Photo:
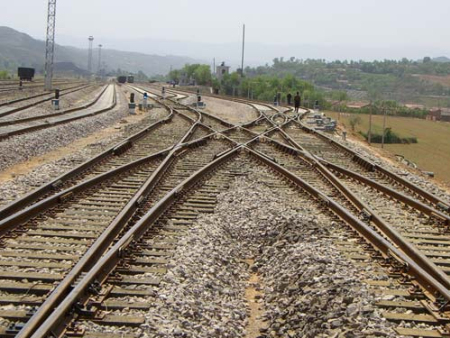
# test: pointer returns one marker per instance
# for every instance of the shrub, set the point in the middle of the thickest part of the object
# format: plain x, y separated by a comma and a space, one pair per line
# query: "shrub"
389, 138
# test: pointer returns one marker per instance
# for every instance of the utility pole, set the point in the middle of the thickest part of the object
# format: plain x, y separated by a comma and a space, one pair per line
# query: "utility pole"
91, 40
369, 136
99, 70
50, 44
384, 127
243, 50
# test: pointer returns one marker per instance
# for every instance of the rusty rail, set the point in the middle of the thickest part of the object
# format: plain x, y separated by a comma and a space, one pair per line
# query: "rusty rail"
54, 184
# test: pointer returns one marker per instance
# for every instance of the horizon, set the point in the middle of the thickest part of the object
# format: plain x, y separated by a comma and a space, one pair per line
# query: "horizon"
373, 30
69, 41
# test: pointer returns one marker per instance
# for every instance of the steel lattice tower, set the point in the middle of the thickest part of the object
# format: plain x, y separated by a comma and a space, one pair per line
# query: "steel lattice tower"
91, 39
50, 44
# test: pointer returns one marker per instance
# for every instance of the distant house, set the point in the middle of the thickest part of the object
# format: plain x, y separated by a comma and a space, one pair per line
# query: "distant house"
222, 70
445, 114
434, 115
414, 106
185, 80
439, 114
357, 104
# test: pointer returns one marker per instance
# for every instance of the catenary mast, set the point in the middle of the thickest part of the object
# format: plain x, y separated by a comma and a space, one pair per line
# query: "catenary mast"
50, 44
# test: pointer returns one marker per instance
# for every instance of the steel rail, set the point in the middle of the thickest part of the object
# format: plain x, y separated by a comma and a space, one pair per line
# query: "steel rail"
383, 227
374, 167
26, 214
37, 95
29, 105
108, 236
109, 260
65, 111
379, 243
53, 185
422, 207
107, 263
62, 120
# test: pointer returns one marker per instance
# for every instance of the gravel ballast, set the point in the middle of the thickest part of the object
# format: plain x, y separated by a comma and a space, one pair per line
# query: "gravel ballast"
308, 289
59, 137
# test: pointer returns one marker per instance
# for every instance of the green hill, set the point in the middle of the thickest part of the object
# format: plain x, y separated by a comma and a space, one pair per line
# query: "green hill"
19, 49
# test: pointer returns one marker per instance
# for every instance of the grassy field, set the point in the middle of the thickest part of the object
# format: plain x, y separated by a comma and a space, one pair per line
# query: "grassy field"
431, 153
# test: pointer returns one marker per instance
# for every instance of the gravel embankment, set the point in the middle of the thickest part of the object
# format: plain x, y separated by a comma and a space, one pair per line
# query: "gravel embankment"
24, 147
308, 288
20, 148
71, 100
398, 168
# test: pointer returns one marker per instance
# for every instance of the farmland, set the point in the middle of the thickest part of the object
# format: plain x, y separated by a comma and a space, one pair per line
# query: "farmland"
431, 153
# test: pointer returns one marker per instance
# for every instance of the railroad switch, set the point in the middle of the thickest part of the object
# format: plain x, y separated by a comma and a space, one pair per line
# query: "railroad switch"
376, 255
416, 291
406, 279
75, 331
365, 216
88, 311
14, 328
79, 278
101, 296
95, 288
440, 312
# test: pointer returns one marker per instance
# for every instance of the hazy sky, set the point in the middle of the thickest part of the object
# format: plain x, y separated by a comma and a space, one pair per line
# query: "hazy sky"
387, 24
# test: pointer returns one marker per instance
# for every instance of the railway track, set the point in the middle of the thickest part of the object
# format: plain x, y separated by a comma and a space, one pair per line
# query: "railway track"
104, 102
6, 87
10, 107
181, 170
157, 137
150, 200
422, 231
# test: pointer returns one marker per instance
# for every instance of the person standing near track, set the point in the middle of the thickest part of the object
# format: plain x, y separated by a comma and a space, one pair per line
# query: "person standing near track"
289, 99
297, 102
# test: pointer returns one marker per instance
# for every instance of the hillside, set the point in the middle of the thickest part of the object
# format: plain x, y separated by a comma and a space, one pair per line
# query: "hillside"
20, 49
441, 59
